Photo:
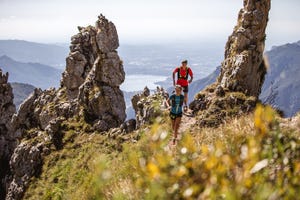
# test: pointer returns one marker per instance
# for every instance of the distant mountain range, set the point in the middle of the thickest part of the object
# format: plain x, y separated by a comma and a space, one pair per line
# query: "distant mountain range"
281, 88
24, 51
36, 74
21, 92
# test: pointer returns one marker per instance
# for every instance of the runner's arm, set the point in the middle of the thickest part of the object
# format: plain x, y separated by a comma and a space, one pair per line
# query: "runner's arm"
191, 75
174, 72
168, 103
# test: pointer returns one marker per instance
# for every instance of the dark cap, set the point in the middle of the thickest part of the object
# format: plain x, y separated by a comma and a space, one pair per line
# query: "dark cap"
184, 61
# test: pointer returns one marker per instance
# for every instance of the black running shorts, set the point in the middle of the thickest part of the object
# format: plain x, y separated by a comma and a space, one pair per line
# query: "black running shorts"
185, 89
174, 116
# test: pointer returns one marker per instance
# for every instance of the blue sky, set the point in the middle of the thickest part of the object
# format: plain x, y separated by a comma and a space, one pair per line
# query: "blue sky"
137, 21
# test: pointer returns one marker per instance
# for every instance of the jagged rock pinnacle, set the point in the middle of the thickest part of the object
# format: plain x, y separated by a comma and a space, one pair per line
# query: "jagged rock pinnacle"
89, 92
243, 68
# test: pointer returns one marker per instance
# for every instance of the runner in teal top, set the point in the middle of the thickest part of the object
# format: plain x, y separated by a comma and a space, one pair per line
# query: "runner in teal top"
175, 103
176, 109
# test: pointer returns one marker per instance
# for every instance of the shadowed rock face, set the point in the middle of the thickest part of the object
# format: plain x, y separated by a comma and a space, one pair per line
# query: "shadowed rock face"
89, 92
7, 142
243, 70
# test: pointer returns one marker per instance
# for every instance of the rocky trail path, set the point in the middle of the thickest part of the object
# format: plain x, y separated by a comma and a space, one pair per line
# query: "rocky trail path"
187, 121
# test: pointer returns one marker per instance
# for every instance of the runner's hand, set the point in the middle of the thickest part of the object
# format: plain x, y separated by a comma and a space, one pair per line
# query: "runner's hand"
185, 108
190, 81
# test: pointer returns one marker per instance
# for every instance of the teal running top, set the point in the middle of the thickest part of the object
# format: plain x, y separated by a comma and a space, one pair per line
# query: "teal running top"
176, 103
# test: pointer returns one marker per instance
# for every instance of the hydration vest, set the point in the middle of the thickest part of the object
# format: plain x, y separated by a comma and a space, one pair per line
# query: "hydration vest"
183, 77
173, 100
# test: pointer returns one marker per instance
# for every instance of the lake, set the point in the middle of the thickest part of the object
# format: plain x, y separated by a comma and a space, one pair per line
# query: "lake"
138, 82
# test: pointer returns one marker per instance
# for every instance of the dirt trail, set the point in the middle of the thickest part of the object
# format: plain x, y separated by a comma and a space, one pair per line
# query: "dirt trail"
186, 122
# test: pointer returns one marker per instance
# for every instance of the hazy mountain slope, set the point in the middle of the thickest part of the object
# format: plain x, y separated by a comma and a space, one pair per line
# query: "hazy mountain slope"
21, 92
24, 51
282, 84
31, 73
200, 84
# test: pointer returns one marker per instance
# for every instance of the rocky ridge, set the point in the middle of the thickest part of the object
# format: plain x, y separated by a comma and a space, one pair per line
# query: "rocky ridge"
243, 70
89, 91
147, 107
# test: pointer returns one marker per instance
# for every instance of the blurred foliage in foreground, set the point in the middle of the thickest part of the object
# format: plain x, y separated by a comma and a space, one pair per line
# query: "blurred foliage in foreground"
253, 157
262, 165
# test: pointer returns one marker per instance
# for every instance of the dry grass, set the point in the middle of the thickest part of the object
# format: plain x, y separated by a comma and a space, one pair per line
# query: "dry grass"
227, 132
207, 163
291, 124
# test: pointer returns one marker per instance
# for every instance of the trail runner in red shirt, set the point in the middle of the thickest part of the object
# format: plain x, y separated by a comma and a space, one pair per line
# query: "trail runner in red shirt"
183, 73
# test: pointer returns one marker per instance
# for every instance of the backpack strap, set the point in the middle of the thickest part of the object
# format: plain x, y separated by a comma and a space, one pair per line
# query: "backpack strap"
172, 98
181, 100
187, 73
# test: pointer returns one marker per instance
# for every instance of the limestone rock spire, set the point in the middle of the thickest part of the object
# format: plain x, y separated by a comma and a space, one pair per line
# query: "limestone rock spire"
243, 68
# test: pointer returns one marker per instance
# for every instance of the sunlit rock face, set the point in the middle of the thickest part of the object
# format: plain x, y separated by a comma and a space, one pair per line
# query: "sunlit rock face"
243, 68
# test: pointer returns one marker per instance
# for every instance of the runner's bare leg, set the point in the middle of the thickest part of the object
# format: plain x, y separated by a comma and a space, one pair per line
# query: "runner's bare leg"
177, 124
185, 98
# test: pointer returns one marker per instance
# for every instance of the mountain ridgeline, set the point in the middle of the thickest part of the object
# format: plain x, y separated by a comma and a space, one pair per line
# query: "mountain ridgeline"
39, 75
32, 52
